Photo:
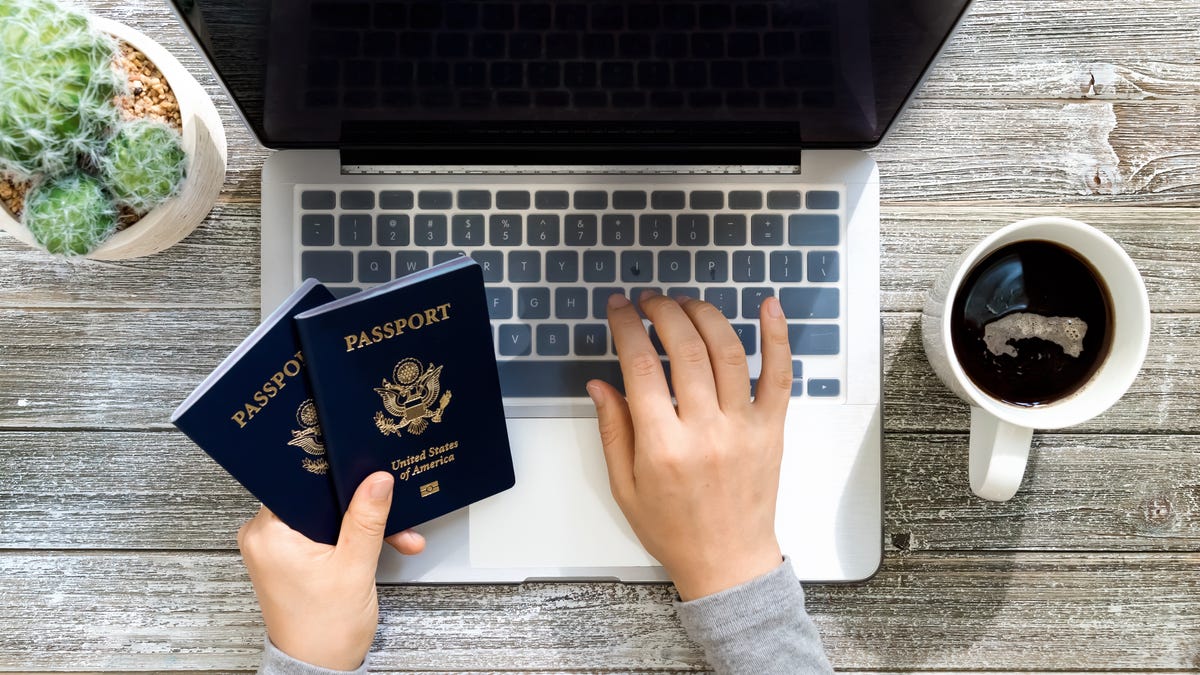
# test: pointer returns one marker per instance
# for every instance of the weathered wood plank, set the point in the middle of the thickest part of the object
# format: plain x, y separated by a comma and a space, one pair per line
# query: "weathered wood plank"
925, 612
919, 242
1082, 492
129, 369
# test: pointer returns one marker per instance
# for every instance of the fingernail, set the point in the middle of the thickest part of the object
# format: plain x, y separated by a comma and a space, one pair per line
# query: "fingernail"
617, 300
682, 299
773, 309
648, 293
380, 488
593, 391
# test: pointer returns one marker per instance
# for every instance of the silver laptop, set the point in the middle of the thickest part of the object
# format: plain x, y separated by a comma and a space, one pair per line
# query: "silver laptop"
576, 149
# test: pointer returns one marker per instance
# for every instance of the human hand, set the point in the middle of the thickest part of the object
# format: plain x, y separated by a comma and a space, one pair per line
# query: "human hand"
697, 481
319, 601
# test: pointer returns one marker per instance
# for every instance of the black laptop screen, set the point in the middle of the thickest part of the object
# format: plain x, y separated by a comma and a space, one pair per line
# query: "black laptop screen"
551, 73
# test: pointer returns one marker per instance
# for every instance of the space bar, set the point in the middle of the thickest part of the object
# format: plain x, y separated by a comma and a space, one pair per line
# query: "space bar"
523, 379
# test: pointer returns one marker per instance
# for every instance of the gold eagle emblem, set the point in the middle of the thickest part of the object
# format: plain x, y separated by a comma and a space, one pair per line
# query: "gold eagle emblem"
308, 438
410, 397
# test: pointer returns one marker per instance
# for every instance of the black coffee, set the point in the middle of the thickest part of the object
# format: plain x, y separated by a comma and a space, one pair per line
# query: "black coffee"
1031, 323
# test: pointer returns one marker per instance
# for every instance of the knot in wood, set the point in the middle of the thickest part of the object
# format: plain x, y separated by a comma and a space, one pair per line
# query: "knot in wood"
1157, 511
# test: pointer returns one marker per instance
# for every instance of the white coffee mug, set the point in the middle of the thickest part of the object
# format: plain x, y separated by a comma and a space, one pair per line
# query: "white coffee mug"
1001, 432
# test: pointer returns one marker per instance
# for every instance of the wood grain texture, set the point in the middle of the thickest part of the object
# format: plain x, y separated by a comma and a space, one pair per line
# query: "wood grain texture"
195, 611
133, 367
128, 490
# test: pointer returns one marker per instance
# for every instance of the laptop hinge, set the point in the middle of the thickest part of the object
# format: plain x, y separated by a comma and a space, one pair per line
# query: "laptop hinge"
523, 161
467, 169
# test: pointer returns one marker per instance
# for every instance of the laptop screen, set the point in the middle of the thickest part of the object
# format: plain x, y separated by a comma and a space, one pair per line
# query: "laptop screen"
569, 74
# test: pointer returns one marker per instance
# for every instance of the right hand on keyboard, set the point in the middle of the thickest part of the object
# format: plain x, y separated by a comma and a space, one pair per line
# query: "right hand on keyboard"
697, 481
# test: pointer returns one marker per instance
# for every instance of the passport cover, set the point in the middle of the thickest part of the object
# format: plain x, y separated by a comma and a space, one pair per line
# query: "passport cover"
255, 416
405, 381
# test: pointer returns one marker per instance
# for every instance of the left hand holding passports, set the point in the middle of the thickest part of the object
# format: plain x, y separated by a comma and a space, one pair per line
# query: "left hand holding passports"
400, 378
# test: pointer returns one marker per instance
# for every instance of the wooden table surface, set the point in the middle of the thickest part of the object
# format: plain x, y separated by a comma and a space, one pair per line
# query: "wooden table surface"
117, 547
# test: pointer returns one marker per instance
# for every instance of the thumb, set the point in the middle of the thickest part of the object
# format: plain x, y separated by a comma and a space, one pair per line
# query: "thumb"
616, 434
363, 525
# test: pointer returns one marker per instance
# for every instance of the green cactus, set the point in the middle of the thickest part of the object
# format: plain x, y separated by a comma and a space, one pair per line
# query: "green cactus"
57, 86
143, 164
70, 214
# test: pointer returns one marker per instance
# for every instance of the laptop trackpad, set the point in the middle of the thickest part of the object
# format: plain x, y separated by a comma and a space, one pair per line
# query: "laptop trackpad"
560, 513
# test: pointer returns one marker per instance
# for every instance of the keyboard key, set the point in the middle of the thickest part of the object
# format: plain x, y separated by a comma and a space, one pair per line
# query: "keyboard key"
391, 229
600, 301
316, 199
745, 200
546, 377
667, 199
358, 200
824, 387
814, 338
812, 230
354, 229
395, 199
562, 266
616, 229
797, 369
374, 267
408, 262
570, 303
492, 264
505, 229
474, 199
712, 267
512, 199
515, 340
729, 229
524, 266
543, 229
822, 199
551, 199
783, 199
591, 339
466, 229
629, 199
691, 229
327, 266
748, 334
593, 200
786, 266
752, 298
810, 303
553, 339
724, 299
442, 256
706, 200
429, 229
599, 266
533, 303
749, 266
316, 230
342, 291
500, 303
766, 229
676, 292
674, 266
656, 342
823, 266
435, 199
654, 229
580, 230
637, 267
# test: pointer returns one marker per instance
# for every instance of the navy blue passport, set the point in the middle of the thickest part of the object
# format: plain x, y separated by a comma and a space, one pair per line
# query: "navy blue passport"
405, 381
256, 417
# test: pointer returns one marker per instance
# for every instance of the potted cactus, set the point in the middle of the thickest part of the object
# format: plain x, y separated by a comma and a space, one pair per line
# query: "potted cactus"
108, 147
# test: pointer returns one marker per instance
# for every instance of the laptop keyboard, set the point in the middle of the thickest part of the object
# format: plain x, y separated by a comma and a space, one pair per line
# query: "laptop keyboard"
552, 257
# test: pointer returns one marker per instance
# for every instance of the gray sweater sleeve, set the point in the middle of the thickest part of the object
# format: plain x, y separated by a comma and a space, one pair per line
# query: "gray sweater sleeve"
276, 662
759, 627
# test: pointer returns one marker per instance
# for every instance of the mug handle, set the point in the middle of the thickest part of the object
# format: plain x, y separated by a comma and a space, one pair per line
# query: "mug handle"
999, 451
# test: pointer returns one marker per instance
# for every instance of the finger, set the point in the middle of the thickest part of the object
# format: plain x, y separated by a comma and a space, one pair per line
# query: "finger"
691, 372
361, 537
645, 384
616, 435
725, 352
775, 379
408, 542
